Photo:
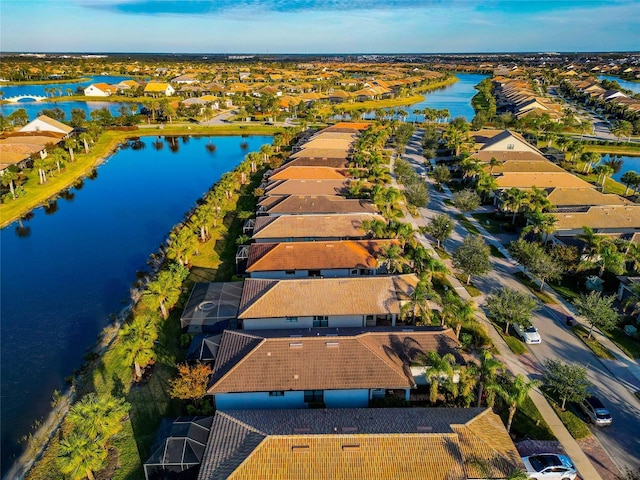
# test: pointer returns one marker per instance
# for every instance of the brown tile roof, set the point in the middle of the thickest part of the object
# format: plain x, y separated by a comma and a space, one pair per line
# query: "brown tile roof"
312, 226
263, 298
600, 217
320, 204
321, 153
306, 173
398, 443
339, 162
354, 125
321, 142
540, 180
504, 155
315, 255
518, 166
584, 196
307, 187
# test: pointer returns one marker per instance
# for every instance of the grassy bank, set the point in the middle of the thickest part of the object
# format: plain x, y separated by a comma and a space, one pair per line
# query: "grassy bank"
46, 82
614, 149
37, 195
377, 104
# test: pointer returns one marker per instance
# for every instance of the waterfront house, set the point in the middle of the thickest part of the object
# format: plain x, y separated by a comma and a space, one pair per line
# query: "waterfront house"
385, 443
299, 228
317, 204
100, 90
211, 307
325, 259
44, 123
306, 187
337, 368
324, 302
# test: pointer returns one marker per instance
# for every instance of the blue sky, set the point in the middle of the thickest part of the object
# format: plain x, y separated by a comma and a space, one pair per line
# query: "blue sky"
319, 26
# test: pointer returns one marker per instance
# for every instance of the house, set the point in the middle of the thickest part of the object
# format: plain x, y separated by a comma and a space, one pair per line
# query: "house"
299, 228
155, 89
127, 85
504, 146
307, 187
317, 204
211, 307
100, 90
19, 148
47, 124
385, 443
185, 79
338, 368
326, 259
610, 219
307, 173
179, 449
324, 302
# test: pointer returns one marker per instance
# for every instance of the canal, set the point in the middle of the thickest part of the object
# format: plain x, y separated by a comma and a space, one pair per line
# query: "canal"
65, 271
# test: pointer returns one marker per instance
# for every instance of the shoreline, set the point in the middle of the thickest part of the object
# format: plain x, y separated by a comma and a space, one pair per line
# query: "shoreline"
109, 148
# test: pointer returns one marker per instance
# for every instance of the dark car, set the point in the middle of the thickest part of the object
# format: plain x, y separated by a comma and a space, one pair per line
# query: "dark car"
595, 410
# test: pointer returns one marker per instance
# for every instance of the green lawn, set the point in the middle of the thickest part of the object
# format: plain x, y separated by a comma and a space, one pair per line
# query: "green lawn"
595, 346
471, 288
528, 422
489, 223
542, 296
577, 428
467, 224
627, 344
495, 251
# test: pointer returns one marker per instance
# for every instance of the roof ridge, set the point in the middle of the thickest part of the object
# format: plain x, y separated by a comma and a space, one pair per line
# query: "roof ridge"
398, 370
237, 364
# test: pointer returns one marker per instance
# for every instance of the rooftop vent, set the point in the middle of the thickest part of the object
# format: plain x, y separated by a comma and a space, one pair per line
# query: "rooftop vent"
332, 344
302, 430
425, 428
351, 448
349, 429
295, 345
300, 448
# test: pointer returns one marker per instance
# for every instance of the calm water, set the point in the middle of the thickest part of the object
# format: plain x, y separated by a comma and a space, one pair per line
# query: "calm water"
628, 164
633, 86
456, 98
69, 270
33, 108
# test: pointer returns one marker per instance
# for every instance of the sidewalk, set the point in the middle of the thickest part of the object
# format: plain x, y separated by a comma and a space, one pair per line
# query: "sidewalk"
510, 360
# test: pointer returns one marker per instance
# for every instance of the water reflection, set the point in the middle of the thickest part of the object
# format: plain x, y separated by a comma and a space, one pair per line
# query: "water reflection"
174, 145
51, 207
67, 195
93, 175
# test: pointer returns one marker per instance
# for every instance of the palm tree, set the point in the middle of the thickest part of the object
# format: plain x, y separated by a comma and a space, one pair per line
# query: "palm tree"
201, 219
455, 311
590, 159
468, 379
181, 243
80, 456
40, 164
138, 339
487, 373
633, 301
486, 185
629, 178
8, 180
70, 144
494, 162
100, 418
393, 256
419, 300
163, 290
614, 162
513, 200
514, 392
540, 224
438, 368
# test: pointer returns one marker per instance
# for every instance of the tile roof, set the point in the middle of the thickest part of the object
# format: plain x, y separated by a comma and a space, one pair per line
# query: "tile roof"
519, 166
263, 298
398, 443
584, 196
320, 204
321, 153
540, 180
306, 173
600, 217
315, 255
312, 226
504, 155
320, 362
307, 187
321, 142
338, 162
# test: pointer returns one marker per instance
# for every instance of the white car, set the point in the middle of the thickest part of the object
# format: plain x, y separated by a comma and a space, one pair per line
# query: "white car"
549, 466
528, 335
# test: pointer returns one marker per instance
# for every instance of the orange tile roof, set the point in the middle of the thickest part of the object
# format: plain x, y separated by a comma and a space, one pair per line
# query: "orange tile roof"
307, 187
315, 255
540, 180
263, 298
398, 443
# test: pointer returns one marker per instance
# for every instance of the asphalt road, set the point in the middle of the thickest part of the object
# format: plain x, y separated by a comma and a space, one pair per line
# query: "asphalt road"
621, 440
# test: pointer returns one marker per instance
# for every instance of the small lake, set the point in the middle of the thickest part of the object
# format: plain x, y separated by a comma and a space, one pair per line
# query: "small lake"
33, 107
633, 86
70, 267
628, 164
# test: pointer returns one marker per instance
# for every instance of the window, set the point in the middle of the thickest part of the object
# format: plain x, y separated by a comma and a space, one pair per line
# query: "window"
510, 146
314, 273
289, 272
313, 396
320, 321
291, 319
276, 393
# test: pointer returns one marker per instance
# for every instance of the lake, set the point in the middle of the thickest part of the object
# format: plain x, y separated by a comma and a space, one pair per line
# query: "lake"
69, 268
33, 107
628, 164
633, 86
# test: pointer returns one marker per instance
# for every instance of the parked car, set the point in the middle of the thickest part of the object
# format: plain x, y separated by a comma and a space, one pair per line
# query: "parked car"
528, 335
549, 466
595, 411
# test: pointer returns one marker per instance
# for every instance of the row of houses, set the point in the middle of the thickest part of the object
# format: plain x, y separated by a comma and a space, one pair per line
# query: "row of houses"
310, 339
150, 88
19, 148
576, 203
600, 97
516, 95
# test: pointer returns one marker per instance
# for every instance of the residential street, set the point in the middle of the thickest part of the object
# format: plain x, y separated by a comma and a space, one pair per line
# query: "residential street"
613, 380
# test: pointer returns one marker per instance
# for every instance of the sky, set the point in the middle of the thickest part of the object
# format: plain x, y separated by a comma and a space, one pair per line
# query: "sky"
319, 26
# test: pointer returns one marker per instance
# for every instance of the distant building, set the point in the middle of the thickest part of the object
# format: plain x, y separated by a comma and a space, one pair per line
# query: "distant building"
100, 90
155, 89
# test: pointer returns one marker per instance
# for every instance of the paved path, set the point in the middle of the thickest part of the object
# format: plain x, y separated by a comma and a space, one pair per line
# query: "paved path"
559, 341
